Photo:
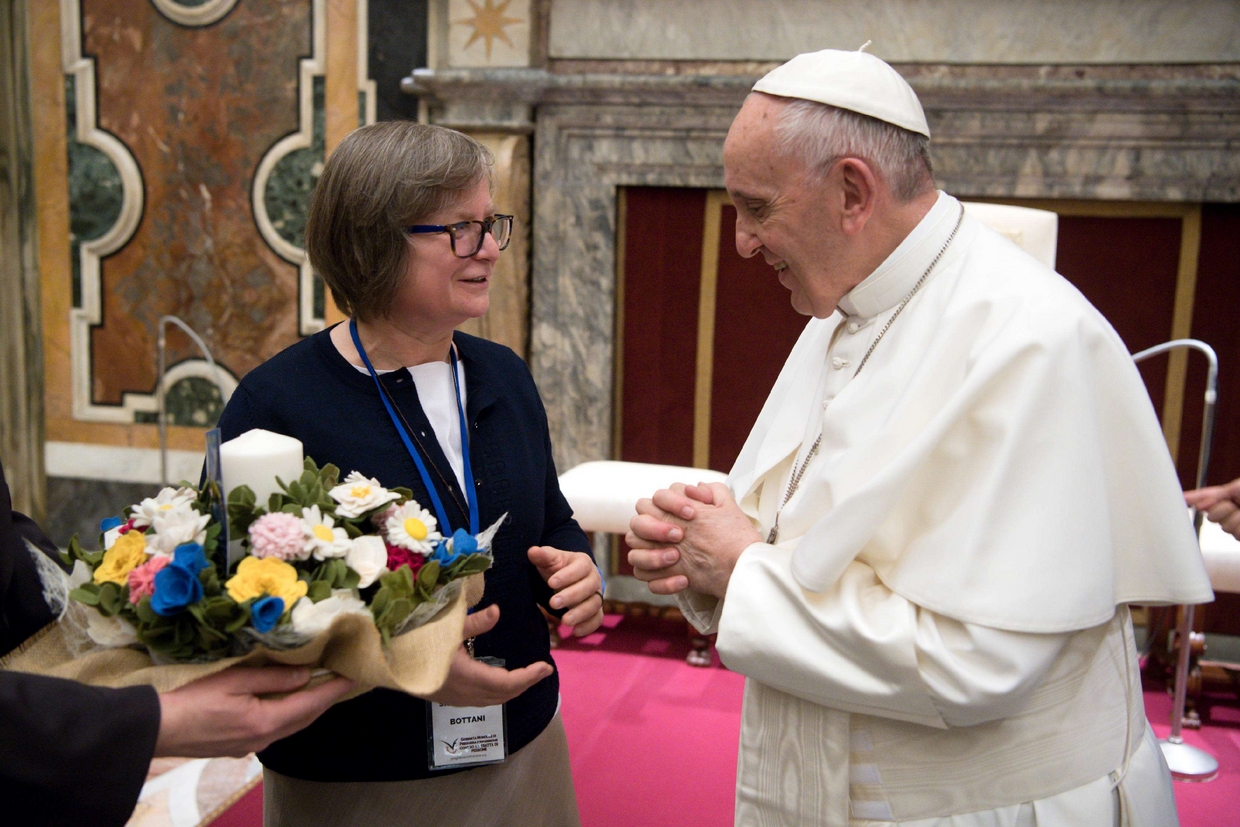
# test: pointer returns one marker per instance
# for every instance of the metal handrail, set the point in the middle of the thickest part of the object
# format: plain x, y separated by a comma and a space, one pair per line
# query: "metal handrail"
1188, 762
161, 391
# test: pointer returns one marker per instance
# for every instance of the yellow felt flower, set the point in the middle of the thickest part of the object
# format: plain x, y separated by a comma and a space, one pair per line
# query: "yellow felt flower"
126, 554
271, 576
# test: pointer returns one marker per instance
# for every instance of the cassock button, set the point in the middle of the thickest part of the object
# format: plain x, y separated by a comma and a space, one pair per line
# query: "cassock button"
839, 363
853, 327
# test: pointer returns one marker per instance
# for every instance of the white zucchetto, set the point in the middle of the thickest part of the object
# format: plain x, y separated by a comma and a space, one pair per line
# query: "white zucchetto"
856, 81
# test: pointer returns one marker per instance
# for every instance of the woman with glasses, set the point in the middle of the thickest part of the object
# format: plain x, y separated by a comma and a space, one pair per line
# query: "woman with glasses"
404, 233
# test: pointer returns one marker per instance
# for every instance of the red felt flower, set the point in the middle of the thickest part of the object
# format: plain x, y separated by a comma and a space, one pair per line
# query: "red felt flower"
398, 557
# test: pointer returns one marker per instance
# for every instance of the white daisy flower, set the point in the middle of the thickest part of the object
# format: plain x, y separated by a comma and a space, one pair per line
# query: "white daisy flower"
359, 494
411, 526
169, 499
323, 539
176, 526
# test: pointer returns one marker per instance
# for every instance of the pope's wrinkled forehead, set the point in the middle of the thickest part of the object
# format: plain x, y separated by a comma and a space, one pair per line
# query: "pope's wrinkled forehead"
751, 147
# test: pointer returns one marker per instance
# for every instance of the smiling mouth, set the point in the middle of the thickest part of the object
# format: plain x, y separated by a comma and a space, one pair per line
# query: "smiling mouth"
478, 280
780, 267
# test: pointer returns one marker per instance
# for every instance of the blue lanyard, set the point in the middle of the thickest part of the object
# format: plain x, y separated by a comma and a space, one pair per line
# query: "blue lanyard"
470, 495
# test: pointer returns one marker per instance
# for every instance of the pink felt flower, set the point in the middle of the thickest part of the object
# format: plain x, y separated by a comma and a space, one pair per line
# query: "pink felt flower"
398, 557
278, 535
142, 578
379, 518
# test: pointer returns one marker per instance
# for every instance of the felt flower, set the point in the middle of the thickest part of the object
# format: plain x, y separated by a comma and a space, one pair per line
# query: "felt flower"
111, 528
142, 579
112, 631
320, 535
310, 618
278, 535
359, 494
125, 555
175, 527
169, 499
266, 612
368, 557
397, 557
411, 526
379, 518
175, 588
459, 545
259, 576
190, 555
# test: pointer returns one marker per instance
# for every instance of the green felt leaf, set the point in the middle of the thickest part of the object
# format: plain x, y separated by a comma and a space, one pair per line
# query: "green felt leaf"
111, 597
474, 564
146, 615
319, 590
242, 495
88, 594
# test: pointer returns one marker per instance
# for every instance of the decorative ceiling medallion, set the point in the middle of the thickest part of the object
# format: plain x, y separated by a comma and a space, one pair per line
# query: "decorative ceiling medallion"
202, 13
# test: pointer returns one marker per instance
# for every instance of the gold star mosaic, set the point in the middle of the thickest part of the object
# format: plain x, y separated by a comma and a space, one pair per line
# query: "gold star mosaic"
489, 32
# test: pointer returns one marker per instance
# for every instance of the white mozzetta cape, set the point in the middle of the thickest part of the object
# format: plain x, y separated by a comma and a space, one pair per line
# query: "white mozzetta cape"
997, 461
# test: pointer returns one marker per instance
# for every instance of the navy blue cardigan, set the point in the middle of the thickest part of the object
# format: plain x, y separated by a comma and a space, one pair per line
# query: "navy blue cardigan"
311, 392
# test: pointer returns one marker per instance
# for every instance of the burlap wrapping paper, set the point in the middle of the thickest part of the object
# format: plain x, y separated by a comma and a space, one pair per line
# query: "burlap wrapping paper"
415, 662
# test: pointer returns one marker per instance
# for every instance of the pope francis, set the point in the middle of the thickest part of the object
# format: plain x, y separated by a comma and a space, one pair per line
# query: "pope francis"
923, 557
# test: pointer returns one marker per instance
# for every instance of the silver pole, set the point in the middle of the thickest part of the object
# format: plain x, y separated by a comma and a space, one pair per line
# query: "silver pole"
161, 391
1186, 762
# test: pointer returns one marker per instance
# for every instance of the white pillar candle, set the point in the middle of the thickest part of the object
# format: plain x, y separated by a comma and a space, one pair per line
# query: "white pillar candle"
256, 458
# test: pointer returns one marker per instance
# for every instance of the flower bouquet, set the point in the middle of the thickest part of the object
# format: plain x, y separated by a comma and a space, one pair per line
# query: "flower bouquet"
344, 575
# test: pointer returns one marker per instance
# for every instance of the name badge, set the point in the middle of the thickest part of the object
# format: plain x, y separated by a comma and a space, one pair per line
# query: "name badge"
467, 736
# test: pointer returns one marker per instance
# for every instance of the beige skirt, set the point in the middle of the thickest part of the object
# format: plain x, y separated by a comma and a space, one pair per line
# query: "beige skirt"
533, 788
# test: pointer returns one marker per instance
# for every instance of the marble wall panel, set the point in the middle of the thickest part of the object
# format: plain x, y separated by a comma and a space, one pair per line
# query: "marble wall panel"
197, 108
1109, 133
582, 155
934, 31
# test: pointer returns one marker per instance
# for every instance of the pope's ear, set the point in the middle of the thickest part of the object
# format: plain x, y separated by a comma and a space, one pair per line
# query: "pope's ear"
859, 189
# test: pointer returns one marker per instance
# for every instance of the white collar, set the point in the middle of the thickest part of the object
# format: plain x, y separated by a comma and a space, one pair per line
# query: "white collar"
894, 279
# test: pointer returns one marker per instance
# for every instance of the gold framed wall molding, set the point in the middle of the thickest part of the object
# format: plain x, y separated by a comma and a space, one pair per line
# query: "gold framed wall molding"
110, 441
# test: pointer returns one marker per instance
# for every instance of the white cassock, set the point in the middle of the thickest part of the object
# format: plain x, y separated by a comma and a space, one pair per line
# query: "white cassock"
940, 635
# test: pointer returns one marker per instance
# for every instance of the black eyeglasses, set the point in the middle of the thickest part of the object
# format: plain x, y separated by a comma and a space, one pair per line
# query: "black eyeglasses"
470, 234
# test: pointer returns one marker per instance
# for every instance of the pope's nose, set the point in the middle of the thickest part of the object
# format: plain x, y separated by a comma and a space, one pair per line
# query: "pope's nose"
747, 243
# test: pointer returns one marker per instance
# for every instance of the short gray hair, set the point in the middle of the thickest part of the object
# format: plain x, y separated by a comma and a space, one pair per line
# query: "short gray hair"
821, 134
380, 179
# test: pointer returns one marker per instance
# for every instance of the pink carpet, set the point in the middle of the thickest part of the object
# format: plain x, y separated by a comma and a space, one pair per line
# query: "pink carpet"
653, 740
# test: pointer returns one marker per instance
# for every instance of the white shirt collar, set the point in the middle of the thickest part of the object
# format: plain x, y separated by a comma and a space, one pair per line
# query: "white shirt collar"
894, 279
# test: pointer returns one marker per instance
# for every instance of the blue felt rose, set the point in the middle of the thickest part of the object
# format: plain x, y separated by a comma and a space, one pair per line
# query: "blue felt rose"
190, 556
110, 523
175, 588
265, 613
460, 544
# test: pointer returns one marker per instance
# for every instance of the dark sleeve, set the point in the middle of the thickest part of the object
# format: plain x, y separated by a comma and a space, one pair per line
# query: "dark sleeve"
560, 530
69, 754
236, 418
238, 415
72, 754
